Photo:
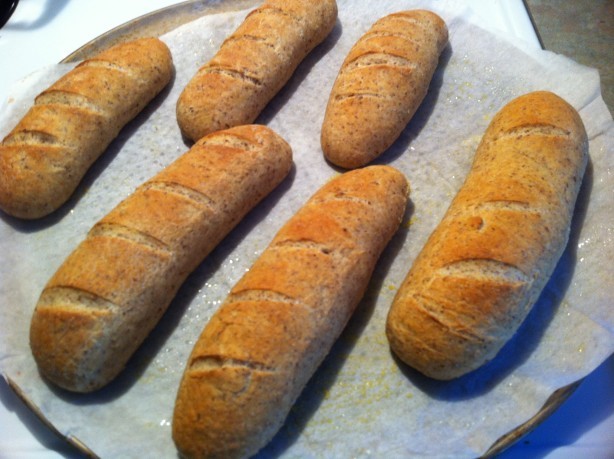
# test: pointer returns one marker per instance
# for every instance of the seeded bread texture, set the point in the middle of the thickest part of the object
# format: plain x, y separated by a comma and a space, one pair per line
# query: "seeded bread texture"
381, 83
280, 320
111, 291
487, 262
43, 159
253, 64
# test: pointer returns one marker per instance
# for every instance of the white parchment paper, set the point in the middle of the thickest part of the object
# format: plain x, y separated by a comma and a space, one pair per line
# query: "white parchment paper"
361, 402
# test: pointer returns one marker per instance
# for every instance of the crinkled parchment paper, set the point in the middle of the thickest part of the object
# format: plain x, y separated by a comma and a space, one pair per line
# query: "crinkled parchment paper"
360, 402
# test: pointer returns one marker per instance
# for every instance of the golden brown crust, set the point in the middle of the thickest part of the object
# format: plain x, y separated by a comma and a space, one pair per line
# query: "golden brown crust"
380, 85
486, 263
111, 291
280, 320
43, 159
253, 64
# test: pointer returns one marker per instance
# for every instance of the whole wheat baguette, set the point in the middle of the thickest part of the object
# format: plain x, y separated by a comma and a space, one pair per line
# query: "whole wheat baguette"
253, 64
380, 85
112, 290
280, 320
43, 159
487, 262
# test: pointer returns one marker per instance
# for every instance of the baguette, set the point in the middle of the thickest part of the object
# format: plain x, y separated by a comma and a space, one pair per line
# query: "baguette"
280, 320
253, 64
112, 290
380, 85
43, 159
487, 262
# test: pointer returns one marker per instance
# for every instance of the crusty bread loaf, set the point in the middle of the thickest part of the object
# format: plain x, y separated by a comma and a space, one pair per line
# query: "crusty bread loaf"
380, 85
253, 64
487, 262
112, 290
278, 323
43, 159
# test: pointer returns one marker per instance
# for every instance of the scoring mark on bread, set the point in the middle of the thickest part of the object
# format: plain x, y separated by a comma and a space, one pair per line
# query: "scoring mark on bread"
478, 215
113, 66
207, 363
71, 99
360, 95
541, 129
340, 196
424, 343
409, 19
498, 204
197, 197
265, 41
115, 230
270, 9
484, 268
228, 140
374, 34
214, 362
258, 295
231, 73
450, 320
74, 298
506, 205
31, 137
379, 59
304, 244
